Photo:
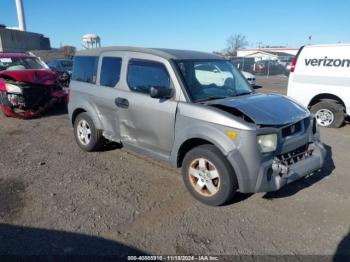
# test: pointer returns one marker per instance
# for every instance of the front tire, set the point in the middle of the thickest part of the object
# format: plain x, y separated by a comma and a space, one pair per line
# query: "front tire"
328, 114
86, 135
209, 176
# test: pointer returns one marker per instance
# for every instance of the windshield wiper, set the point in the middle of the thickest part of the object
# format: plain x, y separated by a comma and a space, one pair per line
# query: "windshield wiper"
210, 98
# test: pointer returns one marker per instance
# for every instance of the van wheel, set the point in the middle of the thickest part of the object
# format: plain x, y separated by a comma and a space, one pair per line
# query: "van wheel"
209, 176
87, 136
328, 114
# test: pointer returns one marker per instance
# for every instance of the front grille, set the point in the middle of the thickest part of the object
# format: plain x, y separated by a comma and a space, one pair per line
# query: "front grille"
291, 129
36, 96
295, 155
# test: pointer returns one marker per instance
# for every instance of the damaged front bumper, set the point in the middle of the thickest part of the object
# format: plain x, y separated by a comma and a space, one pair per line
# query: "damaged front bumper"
298, 154
274, 173
32, 101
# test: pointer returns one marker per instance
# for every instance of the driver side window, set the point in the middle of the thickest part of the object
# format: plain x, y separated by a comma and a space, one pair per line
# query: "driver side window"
143, 74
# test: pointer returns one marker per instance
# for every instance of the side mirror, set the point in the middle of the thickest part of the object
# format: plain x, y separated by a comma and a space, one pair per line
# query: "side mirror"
160, 92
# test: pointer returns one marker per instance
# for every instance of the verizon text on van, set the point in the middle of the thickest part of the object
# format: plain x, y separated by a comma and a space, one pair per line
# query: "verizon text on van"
328, 62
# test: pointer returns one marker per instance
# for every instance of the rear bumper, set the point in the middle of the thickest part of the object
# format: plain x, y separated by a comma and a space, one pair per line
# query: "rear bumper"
268, 179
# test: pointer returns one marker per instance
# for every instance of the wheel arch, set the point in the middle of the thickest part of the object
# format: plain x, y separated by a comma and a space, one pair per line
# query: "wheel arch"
325, 97
187, 146
93, 115
77, 112
221, 143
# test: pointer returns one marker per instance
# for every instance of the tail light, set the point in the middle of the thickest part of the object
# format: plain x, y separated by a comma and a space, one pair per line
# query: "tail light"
294, 63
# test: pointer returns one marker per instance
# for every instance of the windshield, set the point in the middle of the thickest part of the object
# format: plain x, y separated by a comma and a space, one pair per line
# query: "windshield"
207, 80
21, 63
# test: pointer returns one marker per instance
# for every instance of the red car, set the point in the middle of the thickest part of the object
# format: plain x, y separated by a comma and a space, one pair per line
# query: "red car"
27, 86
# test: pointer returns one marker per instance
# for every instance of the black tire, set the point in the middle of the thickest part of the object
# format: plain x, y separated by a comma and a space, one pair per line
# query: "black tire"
96, 140
332, 106
228, 184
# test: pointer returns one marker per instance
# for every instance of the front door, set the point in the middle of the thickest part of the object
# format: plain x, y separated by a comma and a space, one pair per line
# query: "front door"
145, 122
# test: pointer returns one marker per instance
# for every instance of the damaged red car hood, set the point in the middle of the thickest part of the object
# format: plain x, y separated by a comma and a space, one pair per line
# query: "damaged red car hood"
39, 76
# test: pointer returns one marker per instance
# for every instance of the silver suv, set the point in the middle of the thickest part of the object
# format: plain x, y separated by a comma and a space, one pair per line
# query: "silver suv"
193, 110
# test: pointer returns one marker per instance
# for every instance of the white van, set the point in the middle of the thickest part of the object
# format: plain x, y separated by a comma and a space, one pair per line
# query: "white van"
320, 80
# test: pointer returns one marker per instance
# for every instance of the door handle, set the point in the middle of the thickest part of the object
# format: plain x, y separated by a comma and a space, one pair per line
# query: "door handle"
122, 102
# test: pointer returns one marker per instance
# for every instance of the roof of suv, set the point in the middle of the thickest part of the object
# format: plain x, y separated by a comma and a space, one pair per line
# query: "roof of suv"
162, 52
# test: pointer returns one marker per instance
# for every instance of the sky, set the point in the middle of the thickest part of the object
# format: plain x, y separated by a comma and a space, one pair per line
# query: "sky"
184, 24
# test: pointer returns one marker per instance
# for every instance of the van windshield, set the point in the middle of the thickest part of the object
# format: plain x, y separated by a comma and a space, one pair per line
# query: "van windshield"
206, 80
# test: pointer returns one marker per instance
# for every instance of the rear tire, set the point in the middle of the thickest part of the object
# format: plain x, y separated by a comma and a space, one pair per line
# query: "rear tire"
209, 176
328, 114
86, 135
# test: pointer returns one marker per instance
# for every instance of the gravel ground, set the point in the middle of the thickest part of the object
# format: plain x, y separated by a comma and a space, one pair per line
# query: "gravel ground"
57, 199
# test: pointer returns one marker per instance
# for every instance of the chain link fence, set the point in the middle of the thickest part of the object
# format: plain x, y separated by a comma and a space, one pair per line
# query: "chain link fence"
263, 66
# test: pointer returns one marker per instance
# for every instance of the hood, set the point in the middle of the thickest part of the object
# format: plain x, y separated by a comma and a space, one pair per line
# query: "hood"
264, 109
40, 76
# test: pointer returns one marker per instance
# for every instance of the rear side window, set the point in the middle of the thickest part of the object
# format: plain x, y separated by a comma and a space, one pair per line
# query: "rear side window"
84, 69
142, 75
110, 71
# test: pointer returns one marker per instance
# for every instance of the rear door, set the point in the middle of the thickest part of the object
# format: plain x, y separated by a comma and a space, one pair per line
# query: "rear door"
107, 91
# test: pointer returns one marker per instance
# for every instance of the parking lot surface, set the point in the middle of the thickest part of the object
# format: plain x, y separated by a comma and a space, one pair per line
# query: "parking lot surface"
57, 199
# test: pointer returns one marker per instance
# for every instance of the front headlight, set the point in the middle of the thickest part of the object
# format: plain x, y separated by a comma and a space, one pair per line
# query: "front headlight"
267, 143
11, 88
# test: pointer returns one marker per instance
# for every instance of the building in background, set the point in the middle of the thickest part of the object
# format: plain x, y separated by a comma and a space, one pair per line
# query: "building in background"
65, 52
13, 40
18, 39
267, 53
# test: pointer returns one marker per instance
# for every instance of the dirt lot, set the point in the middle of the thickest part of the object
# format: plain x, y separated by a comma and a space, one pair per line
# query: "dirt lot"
57, 199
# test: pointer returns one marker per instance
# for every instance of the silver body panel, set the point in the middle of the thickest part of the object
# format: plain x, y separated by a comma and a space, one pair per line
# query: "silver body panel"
159, 127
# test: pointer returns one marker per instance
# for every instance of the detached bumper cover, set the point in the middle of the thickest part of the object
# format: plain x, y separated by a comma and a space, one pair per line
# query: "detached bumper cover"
268, 178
